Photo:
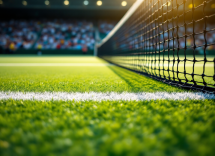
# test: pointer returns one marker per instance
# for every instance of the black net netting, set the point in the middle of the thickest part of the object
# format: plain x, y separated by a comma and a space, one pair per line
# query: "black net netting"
172, 41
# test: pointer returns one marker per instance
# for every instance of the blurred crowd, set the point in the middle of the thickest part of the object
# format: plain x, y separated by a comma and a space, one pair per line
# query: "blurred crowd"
66, 34
47, 34
165, 40
105, 27
80, 35
17, 34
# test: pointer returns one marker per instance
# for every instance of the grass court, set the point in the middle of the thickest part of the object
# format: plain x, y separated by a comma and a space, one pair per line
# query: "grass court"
104, 128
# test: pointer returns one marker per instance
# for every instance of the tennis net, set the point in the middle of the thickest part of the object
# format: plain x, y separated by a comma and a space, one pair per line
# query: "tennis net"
172, 41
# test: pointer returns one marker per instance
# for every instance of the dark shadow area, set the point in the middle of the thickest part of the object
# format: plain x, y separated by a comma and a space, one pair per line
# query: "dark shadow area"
140, 83
126, 76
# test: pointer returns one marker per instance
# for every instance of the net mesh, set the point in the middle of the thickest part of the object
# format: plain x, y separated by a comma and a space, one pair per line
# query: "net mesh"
170, 40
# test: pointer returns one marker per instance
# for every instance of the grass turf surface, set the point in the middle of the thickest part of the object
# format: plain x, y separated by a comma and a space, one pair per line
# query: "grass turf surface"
149, 128
74, 79
176, 128
50, 59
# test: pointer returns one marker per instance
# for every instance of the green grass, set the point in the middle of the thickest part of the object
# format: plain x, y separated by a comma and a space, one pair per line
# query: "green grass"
149, 128
74, 79
111, 128
50, 59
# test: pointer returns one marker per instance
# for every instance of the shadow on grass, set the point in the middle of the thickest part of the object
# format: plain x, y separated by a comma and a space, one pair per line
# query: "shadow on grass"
140, 83
126, 76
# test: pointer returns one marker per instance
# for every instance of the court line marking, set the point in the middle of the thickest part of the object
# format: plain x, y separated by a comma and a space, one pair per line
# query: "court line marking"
55, 64
112, 96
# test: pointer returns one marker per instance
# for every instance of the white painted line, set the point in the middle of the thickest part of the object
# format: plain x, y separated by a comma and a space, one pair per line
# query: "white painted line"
47, 96
55, 64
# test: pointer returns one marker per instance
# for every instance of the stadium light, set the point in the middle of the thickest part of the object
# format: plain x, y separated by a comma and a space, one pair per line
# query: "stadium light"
191, 6
66, 2
124, 3
168, 4
99, 3
86, 2
1, 2
24, 3
47, 2
213, 6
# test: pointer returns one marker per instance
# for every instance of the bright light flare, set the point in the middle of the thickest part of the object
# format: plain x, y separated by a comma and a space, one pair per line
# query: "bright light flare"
168, 4
24, 3
66, 2
99, 3
47, 2
86, 2
124, 3
191, 6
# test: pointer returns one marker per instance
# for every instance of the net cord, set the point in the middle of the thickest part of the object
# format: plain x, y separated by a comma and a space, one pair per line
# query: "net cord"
128, 14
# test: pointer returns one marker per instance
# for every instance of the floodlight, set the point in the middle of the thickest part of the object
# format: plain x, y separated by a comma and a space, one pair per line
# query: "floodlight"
66, 2
124, 3
86, 2
25, 3
1, 2
99, 3
191, 6
47, 2
168, 4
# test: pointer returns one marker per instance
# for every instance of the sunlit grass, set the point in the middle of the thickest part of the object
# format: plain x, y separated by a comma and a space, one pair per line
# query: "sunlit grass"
75, 79
148, 128
50, 59
107, 128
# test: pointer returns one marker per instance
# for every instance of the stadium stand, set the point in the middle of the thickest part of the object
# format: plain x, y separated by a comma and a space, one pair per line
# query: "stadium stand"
46, 34
66, 34
16, 34
105, 27
62, 10
79, 35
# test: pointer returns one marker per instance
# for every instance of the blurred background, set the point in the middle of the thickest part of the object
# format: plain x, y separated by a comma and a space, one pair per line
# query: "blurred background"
70, 26
57, 26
